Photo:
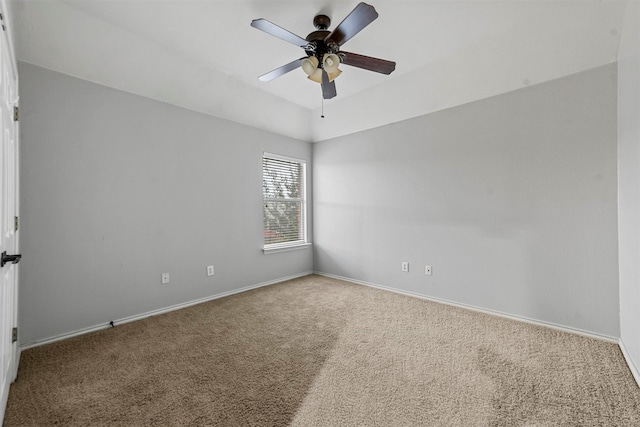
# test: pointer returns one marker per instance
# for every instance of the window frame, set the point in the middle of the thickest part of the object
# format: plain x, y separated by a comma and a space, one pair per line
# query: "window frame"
300, 243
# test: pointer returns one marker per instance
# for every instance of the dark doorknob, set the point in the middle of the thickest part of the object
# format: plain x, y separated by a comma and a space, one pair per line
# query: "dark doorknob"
13, 259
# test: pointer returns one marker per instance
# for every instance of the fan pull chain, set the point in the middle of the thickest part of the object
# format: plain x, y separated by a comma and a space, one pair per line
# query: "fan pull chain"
322, 114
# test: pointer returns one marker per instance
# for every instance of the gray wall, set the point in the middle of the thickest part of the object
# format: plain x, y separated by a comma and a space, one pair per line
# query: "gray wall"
511, 199
117, 189
629, 183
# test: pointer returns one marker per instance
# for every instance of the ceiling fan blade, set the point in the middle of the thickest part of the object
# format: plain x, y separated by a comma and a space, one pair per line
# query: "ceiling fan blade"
279, 32
328, 87
281, 70
360, 17
368, 63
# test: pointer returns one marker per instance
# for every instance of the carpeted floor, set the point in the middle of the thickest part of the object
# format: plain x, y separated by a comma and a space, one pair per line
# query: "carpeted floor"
320, 352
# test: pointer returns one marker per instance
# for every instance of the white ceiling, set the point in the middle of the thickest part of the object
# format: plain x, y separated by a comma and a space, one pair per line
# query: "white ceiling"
204, 55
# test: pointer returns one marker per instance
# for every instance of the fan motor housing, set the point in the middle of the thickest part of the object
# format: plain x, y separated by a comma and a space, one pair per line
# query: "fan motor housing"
319, 35
316, 38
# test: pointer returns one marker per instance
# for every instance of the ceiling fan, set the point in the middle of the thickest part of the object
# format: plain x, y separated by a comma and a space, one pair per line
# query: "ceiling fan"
323, 48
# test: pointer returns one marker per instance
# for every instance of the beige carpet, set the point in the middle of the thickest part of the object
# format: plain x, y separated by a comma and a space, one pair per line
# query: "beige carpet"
319, 352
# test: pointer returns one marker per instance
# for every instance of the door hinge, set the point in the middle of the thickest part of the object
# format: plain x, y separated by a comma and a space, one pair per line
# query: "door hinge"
14, 335
16, 113
4, 27
16, 223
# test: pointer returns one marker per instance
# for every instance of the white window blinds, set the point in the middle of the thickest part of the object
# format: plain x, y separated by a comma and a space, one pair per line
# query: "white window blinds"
284, 204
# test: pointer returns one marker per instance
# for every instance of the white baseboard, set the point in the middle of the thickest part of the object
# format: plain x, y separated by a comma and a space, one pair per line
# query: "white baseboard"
551, 325
632, 366
155, 312
634, 370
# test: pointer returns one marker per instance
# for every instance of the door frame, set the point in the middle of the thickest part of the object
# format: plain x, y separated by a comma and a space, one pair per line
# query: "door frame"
6, 41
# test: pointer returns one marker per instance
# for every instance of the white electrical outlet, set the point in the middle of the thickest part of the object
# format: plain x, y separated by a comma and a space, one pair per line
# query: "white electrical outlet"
427, 270
210, 270
405, 266
165, 278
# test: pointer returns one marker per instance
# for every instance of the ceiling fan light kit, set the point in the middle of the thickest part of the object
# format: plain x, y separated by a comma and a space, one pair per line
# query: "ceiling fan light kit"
322, 48
316, 76
330, 62
310, 65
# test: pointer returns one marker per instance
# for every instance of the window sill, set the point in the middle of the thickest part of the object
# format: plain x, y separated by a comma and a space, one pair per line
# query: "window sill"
285, 248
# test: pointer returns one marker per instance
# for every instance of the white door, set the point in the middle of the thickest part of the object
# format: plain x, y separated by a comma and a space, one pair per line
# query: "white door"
8, 220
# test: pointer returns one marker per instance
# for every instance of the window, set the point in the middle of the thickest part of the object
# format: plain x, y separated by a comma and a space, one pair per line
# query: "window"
284, 204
